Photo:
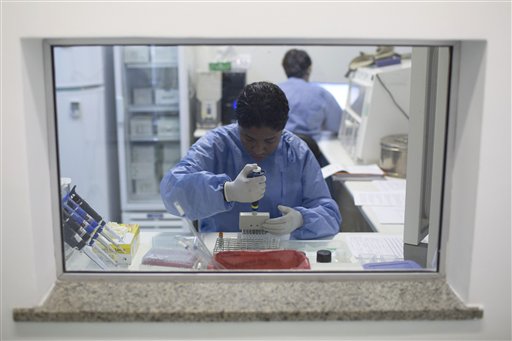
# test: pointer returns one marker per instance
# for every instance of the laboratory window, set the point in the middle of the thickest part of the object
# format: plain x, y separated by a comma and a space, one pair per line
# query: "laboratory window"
124, 115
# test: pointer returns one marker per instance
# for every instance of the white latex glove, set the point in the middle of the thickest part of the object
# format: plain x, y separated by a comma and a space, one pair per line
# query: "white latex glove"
245, 189
287, 223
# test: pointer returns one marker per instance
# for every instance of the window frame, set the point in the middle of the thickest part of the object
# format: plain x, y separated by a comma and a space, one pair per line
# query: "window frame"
443, 172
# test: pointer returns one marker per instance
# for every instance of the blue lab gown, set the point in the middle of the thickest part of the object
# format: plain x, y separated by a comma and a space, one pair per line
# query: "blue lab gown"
195, 185
312, 108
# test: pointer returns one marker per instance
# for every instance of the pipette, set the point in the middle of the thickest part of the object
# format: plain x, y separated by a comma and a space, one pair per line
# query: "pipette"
73, 206
84, 205
80, 243
255, 173
84, 227
87, 234
249, 222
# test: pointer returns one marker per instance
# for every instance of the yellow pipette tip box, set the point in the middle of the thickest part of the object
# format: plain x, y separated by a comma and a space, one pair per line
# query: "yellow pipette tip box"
128, 244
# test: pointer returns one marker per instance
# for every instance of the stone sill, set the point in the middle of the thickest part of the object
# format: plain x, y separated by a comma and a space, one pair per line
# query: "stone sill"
243, 300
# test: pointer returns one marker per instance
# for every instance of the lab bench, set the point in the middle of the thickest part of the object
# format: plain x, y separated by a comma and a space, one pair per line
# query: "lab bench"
343, 258
355, 218
367, 211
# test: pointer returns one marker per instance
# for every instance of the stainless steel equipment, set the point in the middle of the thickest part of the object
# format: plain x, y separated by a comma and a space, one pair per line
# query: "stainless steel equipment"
393, 155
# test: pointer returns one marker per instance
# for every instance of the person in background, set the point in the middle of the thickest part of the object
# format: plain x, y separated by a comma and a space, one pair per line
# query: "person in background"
211, 182
313, 110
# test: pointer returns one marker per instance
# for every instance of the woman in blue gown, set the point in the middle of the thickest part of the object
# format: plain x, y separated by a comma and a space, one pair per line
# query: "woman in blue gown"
212, 184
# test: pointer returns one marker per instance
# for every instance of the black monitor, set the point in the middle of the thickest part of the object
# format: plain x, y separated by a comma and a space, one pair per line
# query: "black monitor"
232, 84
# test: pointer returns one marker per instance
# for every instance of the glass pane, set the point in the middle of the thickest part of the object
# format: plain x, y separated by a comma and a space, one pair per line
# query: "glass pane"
127, 114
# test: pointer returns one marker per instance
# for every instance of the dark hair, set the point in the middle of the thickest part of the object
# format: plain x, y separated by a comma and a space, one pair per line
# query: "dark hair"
296, 63
262, 104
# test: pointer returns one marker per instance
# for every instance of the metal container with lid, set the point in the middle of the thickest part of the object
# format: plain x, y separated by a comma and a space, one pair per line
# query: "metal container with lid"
393, 155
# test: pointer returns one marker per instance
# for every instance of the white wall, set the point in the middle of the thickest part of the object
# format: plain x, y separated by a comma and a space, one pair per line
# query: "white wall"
330, 63
478, 202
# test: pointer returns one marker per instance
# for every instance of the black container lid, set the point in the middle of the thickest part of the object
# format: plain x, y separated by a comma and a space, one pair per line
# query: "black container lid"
323, 256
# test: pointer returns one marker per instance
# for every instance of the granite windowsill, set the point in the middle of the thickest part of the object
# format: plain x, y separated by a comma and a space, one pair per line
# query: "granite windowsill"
242, 300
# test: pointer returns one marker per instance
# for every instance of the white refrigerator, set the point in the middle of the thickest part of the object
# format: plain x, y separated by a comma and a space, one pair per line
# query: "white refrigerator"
85, 114
153, 127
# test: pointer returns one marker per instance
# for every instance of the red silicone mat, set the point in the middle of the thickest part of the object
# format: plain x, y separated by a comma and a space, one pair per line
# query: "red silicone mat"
263, 260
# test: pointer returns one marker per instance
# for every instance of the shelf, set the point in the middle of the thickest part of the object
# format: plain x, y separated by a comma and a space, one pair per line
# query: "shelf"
153, 108
151, 65
154, 139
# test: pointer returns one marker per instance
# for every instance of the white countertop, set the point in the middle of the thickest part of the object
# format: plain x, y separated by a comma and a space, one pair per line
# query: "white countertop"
336, 154
367, 211
342, 257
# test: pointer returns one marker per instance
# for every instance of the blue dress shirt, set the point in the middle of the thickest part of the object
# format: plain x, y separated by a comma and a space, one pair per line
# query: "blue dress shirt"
312, 108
